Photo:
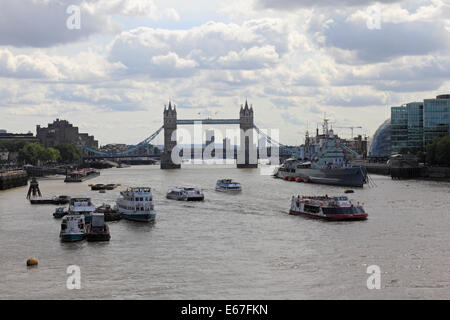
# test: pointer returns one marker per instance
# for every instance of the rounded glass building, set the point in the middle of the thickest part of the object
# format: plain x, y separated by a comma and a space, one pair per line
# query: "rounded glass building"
381, 142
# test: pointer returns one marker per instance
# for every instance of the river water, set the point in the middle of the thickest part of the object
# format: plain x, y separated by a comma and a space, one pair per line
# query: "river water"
242, 246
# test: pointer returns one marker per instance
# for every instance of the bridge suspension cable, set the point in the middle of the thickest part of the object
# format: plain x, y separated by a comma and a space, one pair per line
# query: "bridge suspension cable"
129, 150
272, 141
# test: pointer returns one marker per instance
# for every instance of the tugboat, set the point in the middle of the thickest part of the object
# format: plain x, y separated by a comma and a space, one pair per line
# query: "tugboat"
328, 164
185, 194
82, 206
59, 212
111, 214
327, 208
136, 204
228, 185
98, 230
73, 228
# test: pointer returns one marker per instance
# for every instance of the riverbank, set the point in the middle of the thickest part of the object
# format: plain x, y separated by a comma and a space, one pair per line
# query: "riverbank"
13, 179
425, 173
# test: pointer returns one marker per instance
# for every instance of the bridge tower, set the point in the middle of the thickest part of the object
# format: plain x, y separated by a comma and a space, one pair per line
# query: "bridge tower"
170, 126
247, 155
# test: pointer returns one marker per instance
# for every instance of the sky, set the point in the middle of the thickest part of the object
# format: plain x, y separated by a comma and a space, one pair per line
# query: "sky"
295, 61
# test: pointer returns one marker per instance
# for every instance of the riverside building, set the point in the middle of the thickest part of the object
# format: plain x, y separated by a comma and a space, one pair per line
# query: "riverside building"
414, 125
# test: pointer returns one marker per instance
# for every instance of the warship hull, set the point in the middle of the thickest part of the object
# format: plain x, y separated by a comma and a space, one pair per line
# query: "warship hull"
350, 177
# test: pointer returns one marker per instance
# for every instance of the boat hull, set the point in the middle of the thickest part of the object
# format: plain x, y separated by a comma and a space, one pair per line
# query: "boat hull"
83, 178
93, 235
72, 237
219, 189
147, 217
350, 177
197, 198
331, 217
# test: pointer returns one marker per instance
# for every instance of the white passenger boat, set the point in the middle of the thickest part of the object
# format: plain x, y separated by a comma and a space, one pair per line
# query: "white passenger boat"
82, 206
136, 204
228, 185
185, 194
73, 228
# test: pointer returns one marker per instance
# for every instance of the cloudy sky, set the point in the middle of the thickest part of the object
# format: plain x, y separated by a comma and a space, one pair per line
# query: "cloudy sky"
294, 60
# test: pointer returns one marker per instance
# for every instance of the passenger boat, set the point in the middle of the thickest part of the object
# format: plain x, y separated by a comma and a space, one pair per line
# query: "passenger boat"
185, 194
81, 175
136, 204
73, 228
327, 208
59, 212
228, 185
82, 206
98, 230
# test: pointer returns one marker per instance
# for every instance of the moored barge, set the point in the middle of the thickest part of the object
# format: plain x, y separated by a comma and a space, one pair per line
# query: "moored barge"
81, 175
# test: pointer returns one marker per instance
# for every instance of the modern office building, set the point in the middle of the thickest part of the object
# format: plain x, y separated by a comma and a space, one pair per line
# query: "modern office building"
399, 128
436, 118
415, 125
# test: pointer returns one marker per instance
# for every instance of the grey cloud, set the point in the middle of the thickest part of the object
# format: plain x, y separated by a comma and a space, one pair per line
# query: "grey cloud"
353, 101
297, 4
255, 44
31, 23
392, 40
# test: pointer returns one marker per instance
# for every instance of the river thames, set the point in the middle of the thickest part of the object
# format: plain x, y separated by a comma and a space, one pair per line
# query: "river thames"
243, 246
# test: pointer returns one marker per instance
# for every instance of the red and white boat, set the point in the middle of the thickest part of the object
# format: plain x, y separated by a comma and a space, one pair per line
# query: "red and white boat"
327, 208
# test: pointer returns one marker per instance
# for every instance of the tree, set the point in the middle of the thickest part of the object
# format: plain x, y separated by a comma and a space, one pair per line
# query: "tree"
431, 152
31, 153
69, 152
442, 152
49, 155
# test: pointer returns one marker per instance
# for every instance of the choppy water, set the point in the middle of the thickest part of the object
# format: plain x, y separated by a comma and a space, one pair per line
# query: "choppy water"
232, 246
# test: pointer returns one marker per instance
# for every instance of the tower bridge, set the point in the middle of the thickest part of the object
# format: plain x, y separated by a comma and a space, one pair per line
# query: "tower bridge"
245, 121
247, 155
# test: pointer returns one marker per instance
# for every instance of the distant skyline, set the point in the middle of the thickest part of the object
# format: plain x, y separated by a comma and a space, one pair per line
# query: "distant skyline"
294, 60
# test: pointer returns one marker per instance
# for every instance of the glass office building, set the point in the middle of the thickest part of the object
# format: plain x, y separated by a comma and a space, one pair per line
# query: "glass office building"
416, 124
381, 143
399, 128
436, 118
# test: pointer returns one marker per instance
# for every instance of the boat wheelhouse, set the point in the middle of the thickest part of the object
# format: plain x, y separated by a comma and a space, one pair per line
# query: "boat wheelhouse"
327, 208
228, 185
73, 228
136, 204
59, 212
82, 206
185, 194
98, 230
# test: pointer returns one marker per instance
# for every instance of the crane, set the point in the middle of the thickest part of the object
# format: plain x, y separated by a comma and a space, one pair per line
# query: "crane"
351, 127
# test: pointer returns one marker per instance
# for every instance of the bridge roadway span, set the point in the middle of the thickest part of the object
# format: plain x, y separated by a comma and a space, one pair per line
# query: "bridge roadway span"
209, 121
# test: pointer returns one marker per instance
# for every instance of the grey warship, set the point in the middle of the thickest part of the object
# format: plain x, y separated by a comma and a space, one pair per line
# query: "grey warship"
327, 165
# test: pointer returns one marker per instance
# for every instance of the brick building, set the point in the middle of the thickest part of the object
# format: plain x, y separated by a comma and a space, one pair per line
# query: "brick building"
62, 132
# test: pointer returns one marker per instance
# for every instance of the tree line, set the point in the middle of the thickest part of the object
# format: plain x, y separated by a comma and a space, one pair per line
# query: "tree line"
33, 152
438, 152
